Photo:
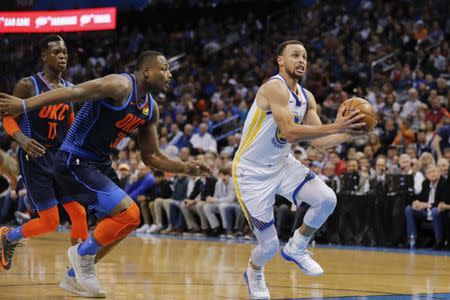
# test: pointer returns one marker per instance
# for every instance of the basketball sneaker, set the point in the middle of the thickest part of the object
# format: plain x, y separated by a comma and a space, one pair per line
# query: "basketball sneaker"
302, 258
84, 268
256, 284
7, 248
143, 228
70, 284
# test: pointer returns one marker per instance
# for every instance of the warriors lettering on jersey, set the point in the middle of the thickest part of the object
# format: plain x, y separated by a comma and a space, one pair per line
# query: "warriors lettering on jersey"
279, 141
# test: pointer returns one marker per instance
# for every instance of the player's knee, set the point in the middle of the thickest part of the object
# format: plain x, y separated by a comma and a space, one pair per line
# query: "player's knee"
75, 211
135, 215
270, 247
330, 201
130, 216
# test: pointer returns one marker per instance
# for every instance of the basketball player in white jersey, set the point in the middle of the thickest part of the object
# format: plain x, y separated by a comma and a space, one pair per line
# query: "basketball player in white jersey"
284, 113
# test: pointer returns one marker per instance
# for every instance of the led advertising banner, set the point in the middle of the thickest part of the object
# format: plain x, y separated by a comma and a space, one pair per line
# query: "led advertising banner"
57, 21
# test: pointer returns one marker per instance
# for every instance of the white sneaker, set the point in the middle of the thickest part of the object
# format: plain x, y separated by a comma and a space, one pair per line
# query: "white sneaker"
143, 228
256, 284
71, 285
154, 228
303, 259
22, 217
84, 267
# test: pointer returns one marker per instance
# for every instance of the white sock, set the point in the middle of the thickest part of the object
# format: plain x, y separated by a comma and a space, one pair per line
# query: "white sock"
300, 241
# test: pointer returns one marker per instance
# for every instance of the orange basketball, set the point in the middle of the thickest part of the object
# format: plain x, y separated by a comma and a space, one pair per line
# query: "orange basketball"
364, 107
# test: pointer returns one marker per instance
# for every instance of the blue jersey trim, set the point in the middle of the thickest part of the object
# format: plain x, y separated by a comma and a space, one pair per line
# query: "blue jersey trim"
306, 98
110, 106
36, 86
71, 148
297, 101
309, 176
92, 125
22, 170
151, 104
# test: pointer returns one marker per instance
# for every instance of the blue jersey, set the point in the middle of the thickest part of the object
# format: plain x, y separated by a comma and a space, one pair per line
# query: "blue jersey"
100, 126
50, 124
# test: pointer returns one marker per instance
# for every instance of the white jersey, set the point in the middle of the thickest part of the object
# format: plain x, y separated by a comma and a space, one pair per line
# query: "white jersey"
262, 141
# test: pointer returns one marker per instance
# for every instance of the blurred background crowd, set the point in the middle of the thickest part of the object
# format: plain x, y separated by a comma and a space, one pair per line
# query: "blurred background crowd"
393, 185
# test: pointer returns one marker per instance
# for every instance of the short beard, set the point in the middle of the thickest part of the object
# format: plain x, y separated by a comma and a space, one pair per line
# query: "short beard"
292, 75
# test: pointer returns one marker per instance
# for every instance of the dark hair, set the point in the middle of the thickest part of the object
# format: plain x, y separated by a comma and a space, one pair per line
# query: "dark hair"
284, 44
225, 171
43, 44
147, 57
158, 173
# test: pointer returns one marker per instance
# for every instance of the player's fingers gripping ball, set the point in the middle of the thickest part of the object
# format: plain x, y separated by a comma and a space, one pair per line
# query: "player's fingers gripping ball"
365, 109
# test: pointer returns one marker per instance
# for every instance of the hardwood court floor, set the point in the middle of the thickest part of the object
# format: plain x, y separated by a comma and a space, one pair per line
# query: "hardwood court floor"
167, 268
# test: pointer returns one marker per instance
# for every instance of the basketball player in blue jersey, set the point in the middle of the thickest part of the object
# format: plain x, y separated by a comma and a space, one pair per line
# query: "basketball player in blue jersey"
40, 134
115, 105
284, 113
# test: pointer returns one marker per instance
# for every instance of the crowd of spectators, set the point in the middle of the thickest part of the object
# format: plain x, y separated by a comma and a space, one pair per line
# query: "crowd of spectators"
396, 55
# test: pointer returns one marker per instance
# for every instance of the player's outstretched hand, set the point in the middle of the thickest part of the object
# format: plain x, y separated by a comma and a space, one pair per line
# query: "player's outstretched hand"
350, 121
10, 105
197, 168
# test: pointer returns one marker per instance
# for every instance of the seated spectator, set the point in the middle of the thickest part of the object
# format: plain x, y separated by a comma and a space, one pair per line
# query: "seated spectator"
24, 205
434, 191
124, 175
283, 217
426, 159
411, 107
142, 183
443, 166
203, 141
441, 140
179, 193
5, 200
330, 178
339, 165
388, 135
157, 190
436, 112
224, 196
406, 168
391, 107
406, 134
175, 134
160, 189
194, 204
334, 100
421, 144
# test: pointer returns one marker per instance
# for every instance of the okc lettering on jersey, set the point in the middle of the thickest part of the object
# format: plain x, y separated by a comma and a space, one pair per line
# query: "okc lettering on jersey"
129, 123
55, 112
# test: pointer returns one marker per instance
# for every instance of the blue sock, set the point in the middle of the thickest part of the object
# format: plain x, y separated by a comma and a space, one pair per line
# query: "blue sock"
71, 272
89, 246
15, 234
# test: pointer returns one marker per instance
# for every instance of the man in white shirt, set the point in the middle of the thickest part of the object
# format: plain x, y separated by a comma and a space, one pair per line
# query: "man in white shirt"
203, 141
412, 105
434, 191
